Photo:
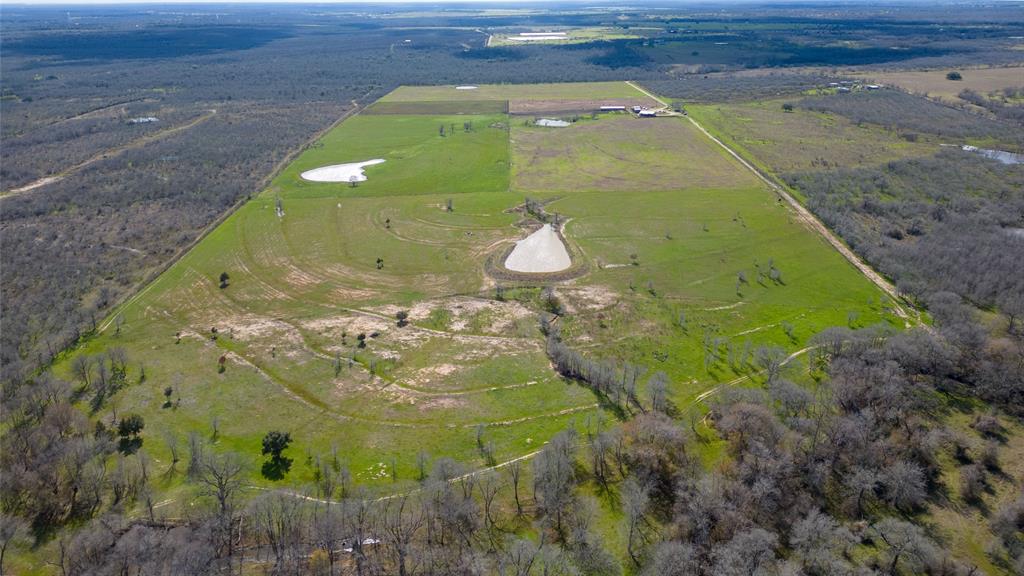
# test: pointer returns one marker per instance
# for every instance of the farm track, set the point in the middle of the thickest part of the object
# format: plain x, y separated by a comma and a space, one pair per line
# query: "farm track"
108, 154
805, 215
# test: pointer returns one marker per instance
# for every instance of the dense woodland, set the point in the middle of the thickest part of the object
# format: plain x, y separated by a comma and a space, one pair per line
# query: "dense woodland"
829, 480
944, 228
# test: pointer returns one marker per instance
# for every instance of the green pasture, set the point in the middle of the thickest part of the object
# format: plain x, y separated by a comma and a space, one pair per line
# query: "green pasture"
338, 262
418, 158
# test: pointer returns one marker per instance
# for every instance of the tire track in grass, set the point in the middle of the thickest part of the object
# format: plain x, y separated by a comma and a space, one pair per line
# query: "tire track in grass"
387, 497
319, 353
700, 398
322, 408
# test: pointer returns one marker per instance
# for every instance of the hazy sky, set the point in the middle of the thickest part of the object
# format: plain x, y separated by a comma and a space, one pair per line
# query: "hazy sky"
106, 2
436, 2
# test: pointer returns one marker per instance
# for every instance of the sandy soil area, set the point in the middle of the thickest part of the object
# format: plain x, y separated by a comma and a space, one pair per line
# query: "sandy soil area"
542, 251
351, 172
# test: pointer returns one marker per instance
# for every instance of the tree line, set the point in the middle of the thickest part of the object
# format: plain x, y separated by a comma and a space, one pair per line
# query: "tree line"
820, 480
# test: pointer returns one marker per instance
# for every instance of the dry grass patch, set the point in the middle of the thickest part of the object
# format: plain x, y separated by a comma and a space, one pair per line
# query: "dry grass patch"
935, 84
620, 154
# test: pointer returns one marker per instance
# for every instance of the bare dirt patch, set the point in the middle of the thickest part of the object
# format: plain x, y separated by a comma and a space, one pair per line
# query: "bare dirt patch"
526, 107
541, 252
466, 314
587, 298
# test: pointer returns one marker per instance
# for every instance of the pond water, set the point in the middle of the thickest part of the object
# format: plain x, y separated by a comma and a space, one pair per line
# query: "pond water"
351, 172
1000, 155
550, 123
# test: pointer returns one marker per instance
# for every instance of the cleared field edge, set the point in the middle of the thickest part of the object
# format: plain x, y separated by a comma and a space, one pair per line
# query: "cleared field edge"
154, 276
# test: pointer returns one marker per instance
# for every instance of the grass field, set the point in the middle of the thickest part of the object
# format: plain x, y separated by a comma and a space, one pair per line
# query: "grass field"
801, 140
439, 108
338, 262
935, 84
419, 159
620, 153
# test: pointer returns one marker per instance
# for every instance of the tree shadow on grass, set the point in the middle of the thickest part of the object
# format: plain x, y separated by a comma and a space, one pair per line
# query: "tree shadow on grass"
276, 468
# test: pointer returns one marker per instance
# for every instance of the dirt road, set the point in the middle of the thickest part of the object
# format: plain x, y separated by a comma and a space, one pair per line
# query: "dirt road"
106, 154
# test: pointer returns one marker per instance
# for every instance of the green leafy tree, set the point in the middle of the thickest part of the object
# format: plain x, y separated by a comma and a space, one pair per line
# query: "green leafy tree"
130, 425
274, 443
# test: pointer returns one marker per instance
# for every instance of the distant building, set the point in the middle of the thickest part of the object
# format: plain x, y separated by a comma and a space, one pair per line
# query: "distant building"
637, 109
873, 86
143, 120
844, 89
613, 108
648, 113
